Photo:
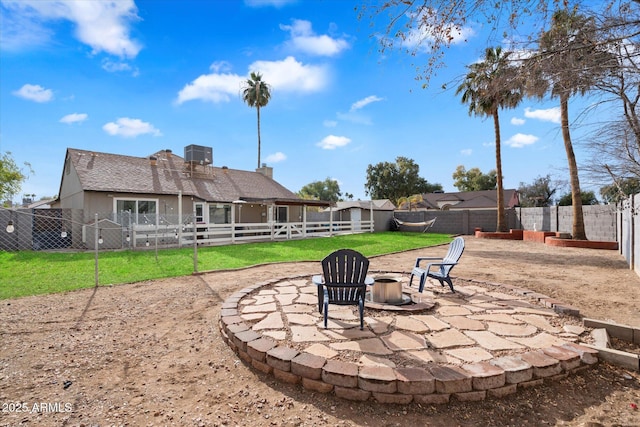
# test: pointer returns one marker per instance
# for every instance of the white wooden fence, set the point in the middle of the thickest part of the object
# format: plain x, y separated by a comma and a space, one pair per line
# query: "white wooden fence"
224, 234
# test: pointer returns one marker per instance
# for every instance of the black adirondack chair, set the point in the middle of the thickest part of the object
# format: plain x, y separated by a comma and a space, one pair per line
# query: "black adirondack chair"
344, 281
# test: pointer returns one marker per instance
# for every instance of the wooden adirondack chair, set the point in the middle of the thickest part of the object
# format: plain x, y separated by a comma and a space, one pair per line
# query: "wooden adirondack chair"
344, 281
443, 266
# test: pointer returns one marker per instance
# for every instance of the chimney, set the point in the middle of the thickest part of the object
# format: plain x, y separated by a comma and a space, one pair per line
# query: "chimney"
153, 160
266, 171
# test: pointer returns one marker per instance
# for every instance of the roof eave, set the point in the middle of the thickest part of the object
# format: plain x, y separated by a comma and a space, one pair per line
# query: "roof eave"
285, 201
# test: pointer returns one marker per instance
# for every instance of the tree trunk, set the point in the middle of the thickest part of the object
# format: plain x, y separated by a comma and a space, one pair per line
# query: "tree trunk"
258, 108
578, 231
502, 223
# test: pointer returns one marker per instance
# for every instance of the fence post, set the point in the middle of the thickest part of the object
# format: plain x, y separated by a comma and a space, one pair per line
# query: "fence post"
371, 225
331, 220
195, 241
179, 236
96, 236
304, 221
157, 231
233, 223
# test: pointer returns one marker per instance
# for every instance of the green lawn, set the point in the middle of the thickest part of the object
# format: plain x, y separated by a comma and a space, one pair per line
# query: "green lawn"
33, 273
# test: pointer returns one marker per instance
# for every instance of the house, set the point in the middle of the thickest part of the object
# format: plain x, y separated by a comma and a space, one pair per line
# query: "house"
165, 188
112, 201
486, 199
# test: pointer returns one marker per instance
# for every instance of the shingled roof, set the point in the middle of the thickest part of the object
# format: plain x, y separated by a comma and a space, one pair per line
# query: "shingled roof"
168, 174
379, 204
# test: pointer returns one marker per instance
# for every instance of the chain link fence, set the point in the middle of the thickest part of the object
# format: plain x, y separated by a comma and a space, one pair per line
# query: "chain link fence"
73, 230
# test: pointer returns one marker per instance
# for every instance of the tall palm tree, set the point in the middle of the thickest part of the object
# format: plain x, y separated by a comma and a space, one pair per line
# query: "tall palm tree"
256, 93
569, 61
491, 84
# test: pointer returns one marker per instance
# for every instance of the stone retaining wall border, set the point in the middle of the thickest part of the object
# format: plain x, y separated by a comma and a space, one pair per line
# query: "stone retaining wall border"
435, 384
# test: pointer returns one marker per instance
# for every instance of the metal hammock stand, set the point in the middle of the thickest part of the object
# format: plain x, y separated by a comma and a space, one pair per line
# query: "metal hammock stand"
426, 224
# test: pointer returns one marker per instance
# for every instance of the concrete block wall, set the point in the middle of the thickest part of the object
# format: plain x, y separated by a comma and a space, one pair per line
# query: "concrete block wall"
451, 222
599, 220
457, 221
382, 220
535, 219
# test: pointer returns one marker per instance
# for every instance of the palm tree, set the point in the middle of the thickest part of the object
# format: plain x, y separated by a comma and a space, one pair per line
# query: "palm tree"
568, 62
256, 93
488, 86
415, 199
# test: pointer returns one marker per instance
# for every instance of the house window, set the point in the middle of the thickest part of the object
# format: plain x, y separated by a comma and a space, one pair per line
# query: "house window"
220, 214
282, 213
143, 211
199, 213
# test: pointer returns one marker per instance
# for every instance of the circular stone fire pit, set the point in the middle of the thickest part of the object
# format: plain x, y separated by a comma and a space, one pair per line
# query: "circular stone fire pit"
486, 340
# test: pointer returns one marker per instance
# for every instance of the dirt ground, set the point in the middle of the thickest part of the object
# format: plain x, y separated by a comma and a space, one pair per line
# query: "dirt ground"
151, 354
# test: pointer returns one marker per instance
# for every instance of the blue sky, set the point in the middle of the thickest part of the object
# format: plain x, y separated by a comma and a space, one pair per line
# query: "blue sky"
136, 77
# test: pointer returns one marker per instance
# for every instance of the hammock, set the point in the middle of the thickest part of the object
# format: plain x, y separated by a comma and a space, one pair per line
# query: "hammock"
426, 224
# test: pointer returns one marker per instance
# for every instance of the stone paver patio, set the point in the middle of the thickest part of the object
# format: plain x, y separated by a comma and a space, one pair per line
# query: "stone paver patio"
484, 340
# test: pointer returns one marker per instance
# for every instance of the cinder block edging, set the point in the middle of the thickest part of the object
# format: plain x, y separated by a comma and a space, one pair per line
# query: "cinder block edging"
623, 332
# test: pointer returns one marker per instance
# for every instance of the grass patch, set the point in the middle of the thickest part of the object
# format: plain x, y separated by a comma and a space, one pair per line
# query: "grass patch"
33, 273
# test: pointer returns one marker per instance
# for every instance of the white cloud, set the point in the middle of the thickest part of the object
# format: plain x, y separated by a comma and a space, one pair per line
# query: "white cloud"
364, 102
211, 87
114, 67
276, 157
103, 25
274, 3
292, 76
330, 123
303, 39
355, 117
466, 152
287, 75
548, 115
34, 93
130, 128
219, 66
517, 121
520, 140
332, 142
422, 36
74, 118
21, 29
